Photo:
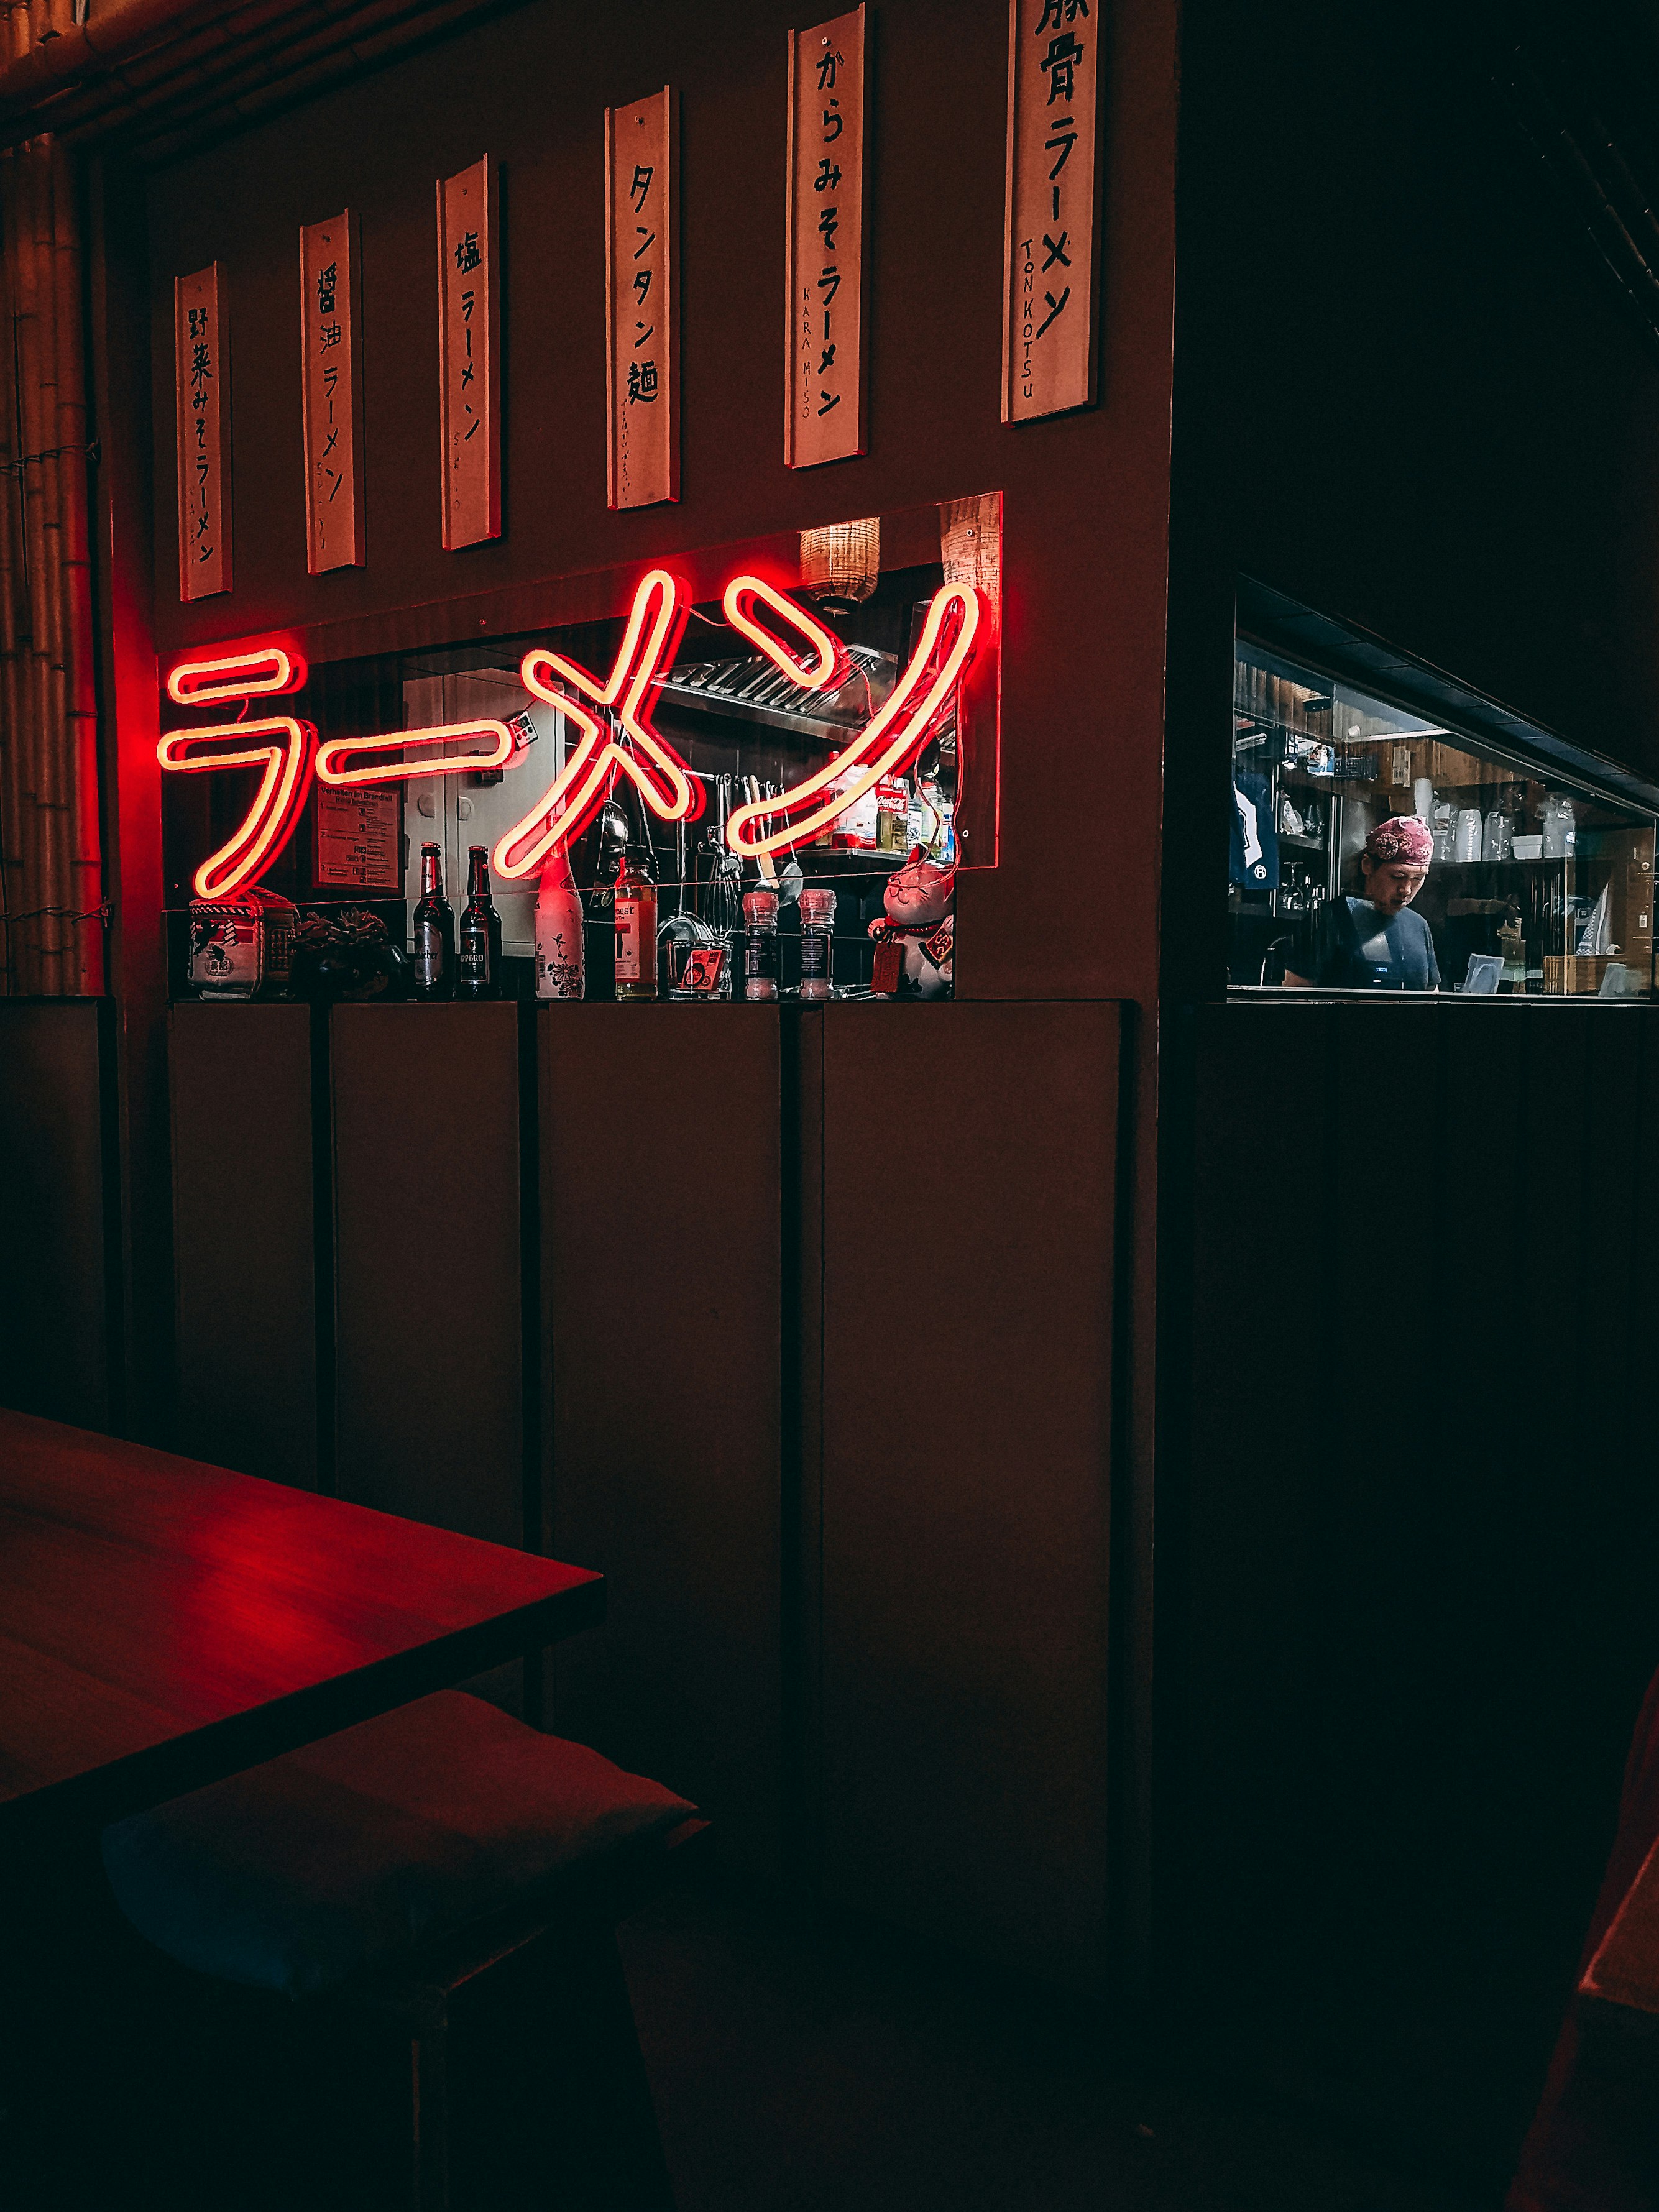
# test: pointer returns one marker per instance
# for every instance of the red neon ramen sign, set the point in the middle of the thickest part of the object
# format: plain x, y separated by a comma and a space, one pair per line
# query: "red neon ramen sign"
612, 714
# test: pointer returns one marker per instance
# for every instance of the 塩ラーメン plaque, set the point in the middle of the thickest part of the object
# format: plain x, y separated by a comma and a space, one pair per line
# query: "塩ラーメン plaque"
1049, 317
202, 357
332, 359
469, 354
824, 335
642, 302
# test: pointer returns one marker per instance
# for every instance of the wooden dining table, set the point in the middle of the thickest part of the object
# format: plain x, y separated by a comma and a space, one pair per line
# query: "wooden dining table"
164, 1624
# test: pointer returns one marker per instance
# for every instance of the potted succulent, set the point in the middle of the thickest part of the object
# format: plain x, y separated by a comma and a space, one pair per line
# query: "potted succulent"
346, 953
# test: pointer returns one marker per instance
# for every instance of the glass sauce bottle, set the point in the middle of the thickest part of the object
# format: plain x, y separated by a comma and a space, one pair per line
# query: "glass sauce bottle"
636, 926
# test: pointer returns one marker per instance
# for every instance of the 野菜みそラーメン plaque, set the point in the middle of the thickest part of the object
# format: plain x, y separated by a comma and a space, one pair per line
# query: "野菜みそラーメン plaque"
469, 354
1049, 318
825, 332
202, 360
332, 388
642, 302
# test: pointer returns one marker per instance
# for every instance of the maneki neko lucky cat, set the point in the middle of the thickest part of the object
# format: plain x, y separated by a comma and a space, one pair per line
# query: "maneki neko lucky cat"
920, 924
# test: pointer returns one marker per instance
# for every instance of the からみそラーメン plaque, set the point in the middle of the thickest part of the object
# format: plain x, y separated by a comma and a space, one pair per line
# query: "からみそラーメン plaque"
823, 412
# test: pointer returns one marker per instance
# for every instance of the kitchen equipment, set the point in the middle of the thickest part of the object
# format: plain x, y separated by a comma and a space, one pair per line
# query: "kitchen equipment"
723, 909
1469, 834
1560, 825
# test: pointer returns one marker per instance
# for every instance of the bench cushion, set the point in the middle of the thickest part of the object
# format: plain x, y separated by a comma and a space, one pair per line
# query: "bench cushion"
288, 1876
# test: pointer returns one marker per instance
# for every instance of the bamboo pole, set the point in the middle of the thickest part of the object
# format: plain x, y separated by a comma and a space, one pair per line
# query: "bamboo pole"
13, 595
26, 334
49, 791
54, 800
83, 854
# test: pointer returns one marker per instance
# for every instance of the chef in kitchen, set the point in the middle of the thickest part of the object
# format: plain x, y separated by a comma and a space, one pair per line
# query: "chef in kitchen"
1374, 942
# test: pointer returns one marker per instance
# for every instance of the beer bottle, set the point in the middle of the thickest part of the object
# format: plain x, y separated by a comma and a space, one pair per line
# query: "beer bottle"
478, 963
636, 926
433, 965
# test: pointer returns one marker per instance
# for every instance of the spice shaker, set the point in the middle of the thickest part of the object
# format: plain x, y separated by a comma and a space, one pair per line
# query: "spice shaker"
760, 944
818, 925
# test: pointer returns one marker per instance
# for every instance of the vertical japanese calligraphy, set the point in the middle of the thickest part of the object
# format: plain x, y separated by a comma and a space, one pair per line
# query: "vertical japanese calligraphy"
1048, 316
642, 348
332, 389
825, 332
468, 356
202, 355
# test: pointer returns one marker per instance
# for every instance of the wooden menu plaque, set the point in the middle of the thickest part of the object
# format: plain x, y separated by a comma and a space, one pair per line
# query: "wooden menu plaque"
333, 393
469, 354
825, 322
1048, 312
641, 333
202, 361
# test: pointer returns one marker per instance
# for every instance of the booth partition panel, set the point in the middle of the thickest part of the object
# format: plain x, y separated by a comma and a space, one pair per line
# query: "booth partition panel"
428, 1264
245, 1250
966, 1209
54, 1285
661, 1270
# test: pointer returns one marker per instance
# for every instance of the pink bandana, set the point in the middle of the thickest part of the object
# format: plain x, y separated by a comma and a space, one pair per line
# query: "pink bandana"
1404, 838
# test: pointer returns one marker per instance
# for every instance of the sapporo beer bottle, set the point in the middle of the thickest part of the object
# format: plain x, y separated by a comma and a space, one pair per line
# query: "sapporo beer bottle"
435, 933
636, 926
478, 960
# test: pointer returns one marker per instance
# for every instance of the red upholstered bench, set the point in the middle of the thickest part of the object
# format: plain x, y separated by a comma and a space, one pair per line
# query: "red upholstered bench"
398, 1867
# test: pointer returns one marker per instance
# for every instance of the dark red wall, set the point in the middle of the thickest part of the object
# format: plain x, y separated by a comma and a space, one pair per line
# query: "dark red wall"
1086, 497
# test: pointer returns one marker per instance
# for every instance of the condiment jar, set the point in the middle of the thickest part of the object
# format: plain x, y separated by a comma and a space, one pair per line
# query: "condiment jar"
760, 944
818, 925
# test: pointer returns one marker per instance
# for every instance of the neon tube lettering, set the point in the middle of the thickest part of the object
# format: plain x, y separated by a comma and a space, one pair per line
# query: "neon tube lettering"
238, 676
891, 737
330, 755
625, 700
830, 654
269, 823
615, 727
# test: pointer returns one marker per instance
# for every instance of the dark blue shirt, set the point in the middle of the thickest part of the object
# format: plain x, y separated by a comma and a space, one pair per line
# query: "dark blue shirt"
1348, 945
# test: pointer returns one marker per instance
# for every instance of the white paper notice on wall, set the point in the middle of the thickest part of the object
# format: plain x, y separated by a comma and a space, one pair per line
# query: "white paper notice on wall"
202, 357
1053, 222
469, 354
827, 213
357, 839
